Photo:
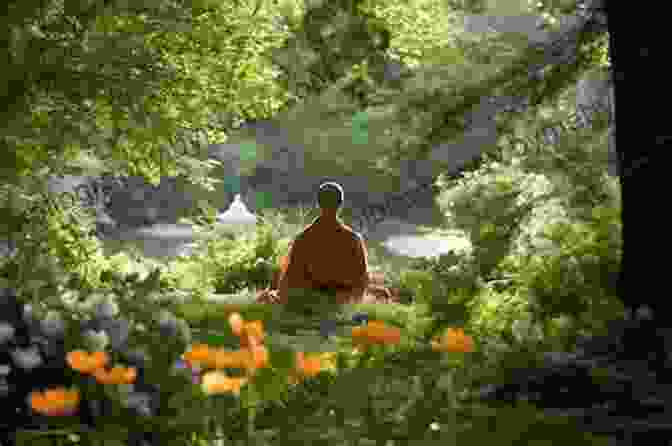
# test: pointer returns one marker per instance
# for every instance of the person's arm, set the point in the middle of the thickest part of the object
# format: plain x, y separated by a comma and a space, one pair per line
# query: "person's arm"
296, 274
359, 278
362, 262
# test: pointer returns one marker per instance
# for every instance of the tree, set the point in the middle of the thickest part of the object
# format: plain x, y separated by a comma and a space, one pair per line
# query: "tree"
360, 94
116, 88
641, 141
449, 75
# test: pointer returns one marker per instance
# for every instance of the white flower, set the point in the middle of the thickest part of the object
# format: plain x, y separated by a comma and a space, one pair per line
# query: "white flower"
644, 313
28, 358
28, 313
144, 410
6, 332
53, 325
135, 399
118, 331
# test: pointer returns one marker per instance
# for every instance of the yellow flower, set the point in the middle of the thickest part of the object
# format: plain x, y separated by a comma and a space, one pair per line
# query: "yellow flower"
329, 360
236, 322
216, 382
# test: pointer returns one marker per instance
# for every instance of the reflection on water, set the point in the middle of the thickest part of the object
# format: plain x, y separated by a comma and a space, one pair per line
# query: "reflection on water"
424, 246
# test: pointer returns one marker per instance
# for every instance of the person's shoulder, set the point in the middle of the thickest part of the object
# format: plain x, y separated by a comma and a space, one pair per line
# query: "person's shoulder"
356, 236
306, 231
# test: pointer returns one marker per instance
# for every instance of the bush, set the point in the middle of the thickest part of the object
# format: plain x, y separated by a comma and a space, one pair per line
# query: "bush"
248, 264
421, 284
226, 264
579, 278
489, 206
546, 233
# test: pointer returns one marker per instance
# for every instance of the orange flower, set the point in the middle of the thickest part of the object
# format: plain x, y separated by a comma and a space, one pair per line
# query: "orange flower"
253, 358
253, 334
87, 363
117, 375
454, 340
221, 358
216, 382
375, 332
55, 401
250, 333
259, 356
308, 366
198, 353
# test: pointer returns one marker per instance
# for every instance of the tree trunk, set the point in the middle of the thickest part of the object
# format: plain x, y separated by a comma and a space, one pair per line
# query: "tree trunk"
641, 84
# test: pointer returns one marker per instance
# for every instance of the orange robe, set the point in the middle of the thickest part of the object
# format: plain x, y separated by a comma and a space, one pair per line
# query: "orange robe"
329, 256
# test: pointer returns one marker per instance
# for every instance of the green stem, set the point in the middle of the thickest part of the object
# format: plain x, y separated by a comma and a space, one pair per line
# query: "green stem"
251, 412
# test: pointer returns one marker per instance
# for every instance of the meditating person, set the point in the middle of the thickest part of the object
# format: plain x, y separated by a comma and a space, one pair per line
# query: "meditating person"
328, 257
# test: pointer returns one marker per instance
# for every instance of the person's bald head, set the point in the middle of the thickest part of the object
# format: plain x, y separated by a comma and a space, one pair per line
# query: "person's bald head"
330, 196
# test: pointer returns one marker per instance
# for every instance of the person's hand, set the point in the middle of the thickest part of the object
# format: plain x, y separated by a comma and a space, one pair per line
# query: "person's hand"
268, 297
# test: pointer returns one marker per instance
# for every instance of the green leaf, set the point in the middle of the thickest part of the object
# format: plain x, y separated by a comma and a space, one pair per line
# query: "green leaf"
507, 7
281, 357
351, 390
216, 339
249, 396
270, 383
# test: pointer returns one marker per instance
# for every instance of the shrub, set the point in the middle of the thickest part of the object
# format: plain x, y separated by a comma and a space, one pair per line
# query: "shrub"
489, 205
421, 284
579, 278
